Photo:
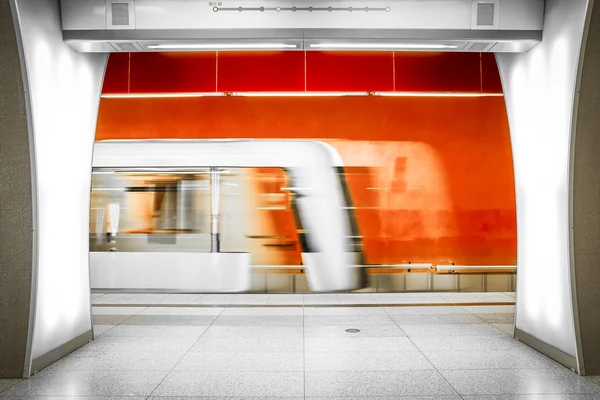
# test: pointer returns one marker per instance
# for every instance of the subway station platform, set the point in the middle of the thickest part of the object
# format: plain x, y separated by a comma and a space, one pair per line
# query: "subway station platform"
345, 346
316, 300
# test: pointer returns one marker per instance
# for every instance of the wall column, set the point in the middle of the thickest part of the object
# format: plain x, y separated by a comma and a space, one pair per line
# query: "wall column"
16, 209
54, 110
556, 153
586, 200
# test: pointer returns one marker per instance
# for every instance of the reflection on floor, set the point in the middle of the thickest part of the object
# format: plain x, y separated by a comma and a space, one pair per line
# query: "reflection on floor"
306, 351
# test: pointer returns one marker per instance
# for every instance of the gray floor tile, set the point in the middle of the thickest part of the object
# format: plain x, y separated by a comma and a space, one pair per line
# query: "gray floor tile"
450, 330
424, 310
102, 329
509, 328
365, 331
347, 320
117, 310
180, 299
437, 319
490, 309
118, 361
502, 318
372, 361
321, 299
182, 320
376, 383
6, 383
255, 320
248, 345
535, 397
114, 298
286, 299
262, 311
490, 359
387, 398
595, 378
223, 398
74, 398
359, 344
267, 332
254, 299
473, 343
148, 298
215, 299
185, 383
142, 344
242, 362
156, 331
110, 319
523, 381
346, 311
182, 311
355, 298
88, 383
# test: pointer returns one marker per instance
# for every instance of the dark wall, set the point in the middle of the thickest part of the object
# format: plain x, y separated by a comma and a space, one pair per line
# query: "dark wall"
16, 226
586, 200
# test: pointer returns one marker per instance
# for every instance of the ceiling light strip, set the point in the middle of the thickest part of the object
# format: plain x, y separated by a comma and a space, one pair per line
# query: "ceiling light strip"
436, 94
296, 94
222, 46
387, 46
160, 95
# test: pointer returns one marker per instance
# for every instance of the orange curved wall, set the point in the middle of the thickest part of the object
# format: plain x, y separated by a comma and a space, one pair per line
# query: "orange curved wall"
431, 177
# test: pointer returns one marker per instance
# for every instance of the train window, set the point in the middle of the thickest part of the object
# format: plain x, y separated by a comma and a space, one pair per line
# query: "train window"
181, 210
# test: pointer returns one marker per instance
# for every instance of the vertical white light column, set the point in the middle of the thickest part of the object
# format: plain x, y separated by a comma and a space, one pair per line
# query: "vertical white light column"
63, 94
540, 90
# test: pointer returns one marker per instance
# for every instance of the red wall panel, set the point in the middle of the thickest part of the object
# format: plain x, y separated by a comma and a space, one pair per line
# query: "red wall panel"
349, 71
490, 75
261, 71
296, 70
116, 77
437, 72
173, 72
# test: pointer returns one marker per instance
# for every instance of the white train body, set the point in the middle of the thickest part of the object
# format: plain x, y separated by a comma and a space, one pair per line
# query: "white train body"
322, 207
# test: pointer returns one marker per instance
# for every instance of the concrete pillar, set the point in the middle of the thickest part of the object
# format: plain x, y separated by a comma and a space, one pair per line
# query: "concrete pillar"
586, 200
16, 209
49, 97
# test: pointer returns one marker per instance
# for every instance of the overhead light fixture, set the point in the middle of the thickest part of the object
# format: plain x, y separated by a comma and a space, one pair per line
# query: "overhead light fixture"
159, 95
298, 94
387, 46
436, 94
223, 46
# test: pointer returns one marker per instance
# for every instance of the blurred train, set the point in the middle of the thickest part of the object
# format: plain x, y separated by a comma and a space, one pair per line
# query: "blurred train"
199, 215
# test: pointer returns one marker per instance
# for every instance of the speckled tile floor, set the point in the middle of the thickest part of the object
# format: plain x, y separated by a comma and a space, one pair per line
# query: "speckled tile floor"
305, 351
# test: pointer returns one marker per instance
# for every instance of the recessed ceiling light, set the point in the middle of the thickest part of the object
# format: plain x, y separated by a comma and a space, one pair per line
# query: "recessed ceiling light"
217, 46
424, 46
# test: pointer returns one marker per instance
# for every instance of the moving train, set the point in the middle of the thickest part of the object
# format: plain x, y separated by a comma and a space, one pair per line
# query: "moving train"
194, 215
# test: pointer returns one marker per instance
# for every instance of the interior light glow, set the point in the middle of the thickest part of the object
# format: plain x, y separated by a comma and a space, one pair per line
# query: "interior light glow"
436, 94
217, 46
296, 94
299, 94
159, 95
424, 46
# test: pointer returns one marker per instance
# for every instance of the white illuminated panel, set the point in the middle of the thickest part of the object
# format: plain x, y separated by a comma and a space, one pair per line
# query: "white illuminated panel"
539, 88
64, 92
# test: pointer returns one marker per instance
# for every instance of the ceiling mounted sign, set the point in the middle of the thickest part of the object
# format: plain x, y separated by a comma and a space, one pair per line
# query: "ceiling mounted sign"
218, 6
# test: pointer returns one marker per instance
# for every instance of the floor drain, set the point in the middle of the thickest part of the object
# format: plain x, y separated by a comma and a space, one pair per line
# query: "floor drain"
352, 330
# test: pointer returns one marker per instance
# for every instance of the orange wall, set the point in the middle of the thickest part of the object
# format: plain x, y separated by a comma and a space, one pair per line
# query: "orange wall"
438, 180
